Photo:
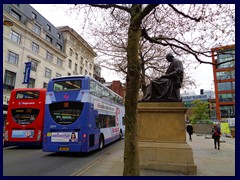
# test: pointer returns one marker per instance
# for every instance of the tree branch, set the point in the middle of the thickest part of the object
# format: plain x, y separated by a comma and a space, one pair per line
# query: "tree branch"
107, 6
188, 49
147, 10
184, 15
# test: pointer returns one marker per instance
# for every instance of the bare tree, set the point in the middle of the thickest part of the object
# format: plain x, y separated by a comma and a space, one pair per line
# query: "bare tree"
184, 29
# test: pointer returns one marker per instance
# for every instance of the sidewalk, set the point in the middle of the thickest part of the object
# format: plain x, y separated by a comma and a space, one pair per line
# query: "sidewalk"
209, 161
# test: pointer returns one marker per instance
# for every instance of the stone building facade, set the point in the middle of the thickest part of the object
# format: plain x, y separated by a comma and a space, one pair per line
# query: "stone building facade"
52, 51
80, 56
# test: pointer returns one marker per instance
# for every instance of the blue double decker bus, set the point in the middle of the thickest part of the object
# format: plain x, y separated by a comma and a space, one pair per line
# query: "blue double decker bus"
81, 115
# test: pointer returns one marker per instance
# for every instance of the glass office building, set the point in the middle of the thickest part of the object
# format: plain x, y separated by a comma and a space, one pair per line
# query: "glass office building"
224, 80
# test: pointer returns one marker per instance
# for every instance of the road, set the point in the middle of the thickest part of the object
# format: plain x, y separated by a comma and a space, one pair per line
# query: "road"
22, 161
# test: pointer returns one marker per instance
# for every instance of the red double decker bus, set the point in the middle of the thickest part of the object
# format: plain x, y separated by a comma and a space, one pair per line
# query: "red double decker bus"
25, 116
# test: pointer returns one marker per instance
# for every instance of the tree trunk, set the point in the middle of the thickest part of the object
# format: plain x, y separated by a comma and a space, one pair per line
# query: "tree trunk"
131, 159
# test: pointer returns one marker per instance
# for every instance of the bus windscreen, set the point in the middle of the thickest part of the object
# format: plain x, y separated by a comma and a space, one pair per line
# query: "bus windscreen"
67, 85
27, 95
65, 113
24, 116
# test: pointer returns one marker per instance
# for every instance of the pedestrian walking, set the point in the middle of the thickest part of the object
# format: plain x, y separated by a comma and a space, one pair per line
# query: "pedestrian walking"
189, 129
216, 134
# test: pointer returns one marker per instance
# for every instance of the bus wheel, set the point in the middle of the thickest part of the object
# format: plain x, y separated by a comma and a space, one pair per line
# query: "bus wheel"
101, 143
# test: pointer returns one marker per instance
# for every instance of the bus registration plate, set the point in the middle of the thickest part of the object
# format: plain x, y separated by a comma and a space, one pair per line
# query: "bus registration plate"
63, 148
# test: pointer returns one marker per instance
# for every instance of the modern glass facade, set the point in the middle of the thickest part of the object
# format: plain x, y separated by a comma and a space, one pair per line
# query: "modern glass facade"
224, 80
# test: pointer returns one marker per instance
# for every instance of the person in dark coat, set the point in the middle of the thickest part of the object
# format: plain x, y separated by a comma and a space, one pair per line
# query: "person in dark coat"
216, 134
189, 129
167, 87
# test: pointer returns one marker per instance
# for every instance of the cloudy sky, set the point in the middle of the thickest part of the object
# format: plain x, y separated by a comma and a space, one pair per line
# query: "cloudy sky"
202, 74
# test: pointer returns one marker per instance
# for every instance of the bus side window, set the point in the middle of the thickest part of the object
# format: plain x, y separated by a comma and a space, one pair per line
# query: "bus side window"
101, 121
93, 88
97, 122
99, 90
112, 121
107, 121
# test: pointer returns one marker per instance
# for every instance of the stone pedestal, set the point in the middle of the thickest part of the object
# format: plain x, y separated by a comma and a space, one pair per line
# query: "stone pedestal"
162, 138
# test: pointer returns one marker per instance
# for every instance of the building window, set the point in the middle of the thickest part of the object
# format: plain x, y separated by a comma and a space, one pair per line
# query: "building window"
76, 57
58, 36
225, 75
48, 73
59, 62
36, 29
70, 52
34, 16
31, 83
15, 37
59, 46
226, 97
81, 70
48, 39
226, 86
49, 28
82, 60
13, 58
15, 14
9, 80
45, 85
90, 66
85, 72
227, 111
226, 56
70, 63
35, 47
86, 64
49, 56
69, 74
58, 75
71, 40
34, 66
75, 68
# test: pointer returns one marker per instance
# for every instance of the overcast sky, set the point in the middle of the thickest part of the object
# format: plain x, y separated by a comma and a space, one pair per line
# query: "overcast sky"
56, 15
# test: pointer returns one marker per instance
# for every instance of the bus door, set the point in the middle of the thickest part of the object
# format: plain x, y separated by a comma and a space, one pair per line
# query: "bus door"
94, 130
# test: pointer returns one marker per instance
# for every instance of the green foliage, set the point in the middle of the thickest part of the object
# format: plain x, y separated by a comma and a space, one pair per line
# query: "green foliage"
200, 112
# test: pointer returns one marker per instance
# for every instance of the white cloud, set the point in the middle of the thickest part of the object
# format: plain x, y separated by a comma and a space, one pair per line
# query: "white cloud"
203, 75
110, 75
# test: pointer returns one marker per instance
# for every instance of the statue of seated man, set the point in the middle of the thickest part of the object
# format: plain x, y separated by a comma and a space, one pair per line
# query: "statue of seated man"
167, 87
